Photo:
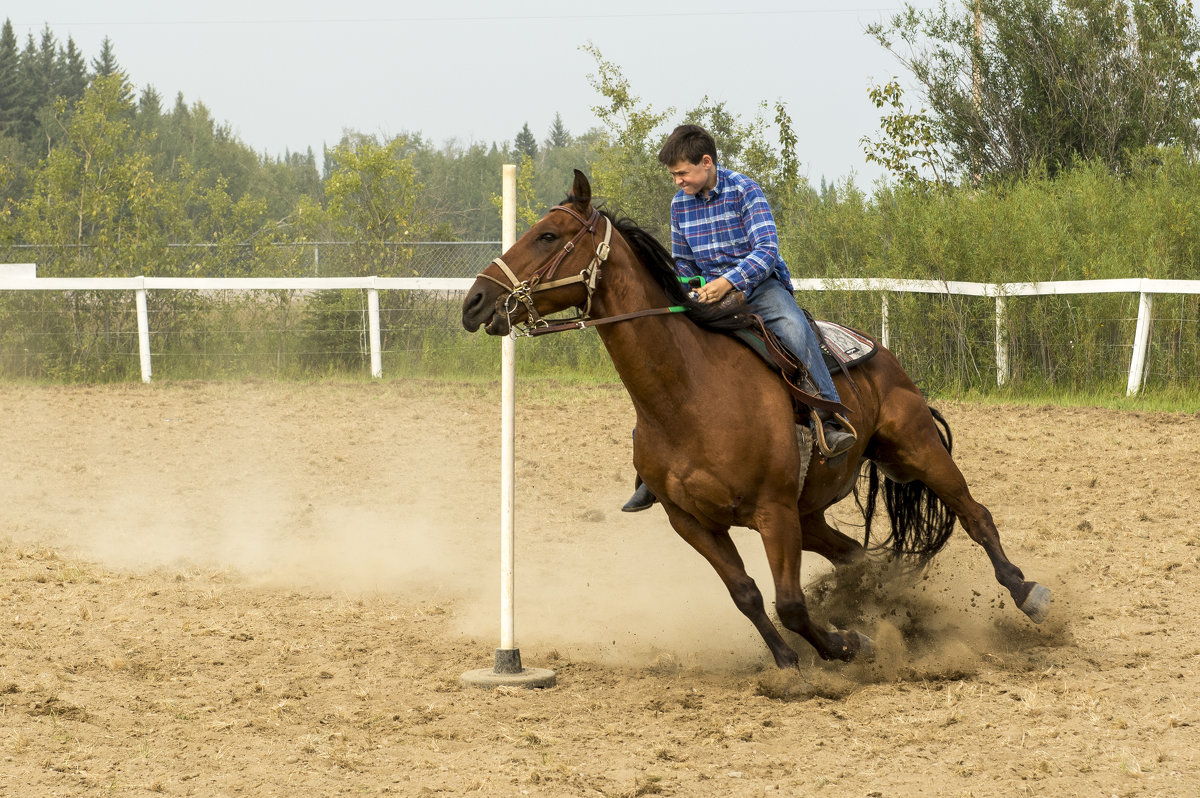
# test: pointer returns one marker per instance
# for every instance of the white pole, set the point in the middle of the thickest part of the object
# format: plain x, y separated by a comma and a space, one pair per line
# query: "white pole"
1001, 343
373, 332
143, 319
886, 336
508, 670
508, 237
1141, 342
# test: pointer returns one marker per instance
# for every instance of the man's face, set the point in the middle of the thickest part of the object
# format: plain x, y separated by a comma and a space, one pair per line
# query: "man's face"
694, 178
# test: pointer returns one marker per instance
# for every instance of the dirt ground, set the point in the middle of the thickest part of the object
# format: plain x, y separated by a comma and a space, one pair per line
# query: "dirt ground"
266, 589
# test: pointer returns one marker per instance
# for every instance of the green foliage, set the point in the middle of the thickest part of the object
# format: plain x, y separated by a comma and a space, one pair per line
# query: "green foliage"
117, 185
1014, 86
626, 173
908, 144
528, 209
526, 144
372, 196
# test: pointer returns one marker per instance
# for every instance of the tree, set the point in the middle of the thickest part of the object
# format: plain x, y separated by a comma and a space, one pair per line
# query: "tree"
72, 76
626, 172
559, 137
373, 197
12, 95
95, 194
1016, 85
526, 144
907, 145
106, 64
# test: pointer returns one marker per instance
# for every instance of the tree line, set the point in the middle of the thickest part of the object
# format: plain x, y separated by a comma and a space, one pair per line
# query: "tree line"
1026, 140
1021, 99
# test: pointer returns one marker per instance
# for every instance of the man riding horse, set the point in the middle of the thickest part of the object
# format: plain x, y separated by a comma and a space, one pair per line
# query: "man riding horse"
722, 229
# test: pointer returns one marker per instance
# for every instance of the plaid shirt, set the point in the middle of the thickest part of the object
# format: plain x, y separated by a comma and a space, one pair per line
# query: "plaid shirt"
730, 233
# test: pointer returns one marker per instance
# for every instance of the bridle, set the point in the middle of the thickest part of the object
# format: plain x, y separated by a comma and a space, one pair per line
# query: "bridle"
520, 292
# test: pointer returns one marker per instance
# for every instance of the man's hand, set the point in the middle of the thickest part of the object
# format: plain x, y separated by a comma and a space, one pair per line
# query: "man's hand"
714, 291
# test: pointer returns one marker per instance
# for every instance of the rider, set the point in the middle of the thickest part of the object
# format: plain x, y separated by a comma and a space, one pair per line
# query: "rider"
722, 229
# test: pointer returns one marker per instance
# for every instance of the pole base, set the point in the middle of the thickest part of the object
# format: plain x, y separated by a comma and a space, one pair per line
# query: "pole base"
508, 672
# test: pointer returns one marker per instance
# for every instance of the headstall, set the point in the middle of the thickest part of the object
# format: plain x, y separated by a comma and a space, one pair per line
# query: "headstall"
520, 292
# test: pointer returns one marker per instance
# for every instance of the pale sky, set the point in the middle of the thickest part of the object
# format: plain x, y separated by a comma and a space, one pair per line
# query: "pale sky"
293, 75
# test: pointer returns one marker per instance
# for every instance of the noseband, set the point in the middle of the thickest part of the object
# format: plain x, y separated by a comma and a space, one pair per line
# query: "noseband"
522, 291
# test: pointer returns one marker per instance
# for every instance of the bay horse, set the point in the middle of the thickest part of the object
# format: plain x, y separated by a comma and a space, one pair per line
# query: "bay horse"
716, 439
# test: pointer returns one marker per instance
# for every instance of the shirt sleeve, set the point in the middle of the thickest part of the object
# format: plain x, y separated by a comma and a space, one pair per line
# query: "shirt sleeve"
681, 251
762, 238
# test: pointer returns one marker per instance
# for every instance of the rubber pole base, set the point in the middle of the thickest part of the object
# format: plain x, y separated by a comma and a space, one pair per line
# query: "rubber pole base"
508, 672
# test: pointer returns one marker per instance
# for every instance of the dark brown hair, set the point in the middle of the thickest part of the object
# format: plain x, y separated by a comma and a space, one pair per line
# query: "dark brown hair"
687, 143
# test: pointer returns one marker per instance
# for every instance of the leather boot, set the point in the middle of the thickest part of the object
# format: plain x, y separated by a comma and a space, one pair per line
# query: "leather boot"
837, 440
642, 499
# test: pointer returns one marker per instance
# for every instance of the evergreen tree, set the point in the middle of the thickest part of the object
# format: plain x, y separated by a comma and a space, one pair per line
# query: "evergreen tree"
11, 89
71, 73
44, 67
149, 112
150, 103
559, 137
526, 144
34, 88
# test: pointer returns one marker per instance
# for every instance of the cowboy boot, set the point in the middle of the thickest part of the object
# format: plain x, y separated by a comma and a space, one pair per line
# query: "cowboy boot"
832, 440
642, 499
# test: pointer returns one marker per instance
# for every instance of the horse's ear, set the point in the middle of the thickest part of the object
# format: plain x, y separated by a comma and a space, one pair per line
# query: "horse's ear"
581, 191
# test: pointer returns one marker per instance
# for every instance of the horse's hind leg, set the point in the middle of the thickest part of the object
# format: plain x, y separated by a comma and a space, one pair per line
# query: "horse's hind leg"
924, 457
820, 538
716, 546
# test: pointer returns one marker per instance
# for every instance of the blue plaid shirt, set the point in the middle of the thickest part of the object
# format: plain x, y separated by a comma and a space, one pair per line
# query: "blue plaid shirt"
730, 233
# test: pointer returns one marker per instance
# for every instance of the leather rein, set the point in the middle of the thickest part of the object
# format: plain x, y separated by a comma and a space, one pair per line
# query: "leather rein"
520, 292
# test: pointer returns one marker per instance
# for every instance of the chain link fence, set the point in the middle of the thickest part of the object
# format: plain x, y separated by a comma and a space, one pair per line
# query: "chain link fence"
291, 259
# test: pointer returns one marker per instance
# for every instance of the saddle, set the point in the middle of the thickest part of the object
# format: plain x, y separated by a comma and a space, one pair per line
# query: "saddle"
842, 347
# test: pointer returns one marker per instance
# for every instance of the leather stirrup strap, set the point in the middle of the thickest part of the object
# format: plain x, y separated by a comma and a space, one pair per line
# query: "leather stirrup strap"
788, 366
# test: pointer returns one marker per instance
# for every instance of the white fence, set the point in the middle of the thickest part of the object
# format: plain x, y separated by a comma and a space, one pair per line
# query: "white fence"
1146, 289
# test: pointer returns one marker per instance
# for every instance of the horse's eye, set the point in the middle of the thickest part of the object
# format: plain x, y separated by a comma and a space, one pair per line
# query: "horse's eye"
547, 237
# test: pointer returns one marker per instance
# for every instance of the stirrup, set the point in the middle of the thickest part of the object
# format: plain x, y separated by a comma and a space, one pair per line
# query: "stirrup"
827, 451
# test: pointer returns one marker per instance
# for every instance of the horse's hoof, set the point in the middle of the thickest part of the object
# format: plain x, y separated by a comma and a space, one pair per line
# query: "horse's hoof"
1037, 604
866, 647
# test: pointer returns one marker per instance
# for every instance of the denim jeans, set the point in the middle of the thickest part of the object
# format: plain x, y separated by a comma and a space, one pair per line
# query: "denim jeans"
777, 307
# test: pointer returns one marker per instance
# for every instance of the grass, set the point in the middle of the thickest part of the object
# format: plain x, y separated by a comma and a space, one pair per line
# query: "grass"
542, 383
1171, 399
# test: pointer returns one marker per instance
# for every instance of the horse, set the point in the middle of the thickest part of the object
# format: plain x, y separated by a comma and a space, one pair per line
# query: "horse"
716, 435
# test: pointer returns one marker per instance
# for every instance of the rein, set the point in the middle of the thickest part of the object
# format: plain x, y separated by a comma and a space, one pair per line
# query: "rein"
522, 291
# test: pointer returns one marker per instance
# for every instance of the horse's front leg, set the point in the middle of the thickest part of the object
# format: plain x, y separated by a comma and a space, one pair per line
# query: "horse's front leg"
715, 545
779, 527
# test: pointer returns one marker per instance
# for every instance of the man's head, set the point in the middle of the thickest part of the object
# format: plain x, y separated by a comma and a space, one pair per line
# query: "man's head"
690, 155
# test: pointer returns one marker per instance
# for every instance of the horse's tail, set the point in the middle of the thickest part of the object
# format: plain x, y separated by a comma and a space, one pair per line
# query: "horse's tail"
921, 523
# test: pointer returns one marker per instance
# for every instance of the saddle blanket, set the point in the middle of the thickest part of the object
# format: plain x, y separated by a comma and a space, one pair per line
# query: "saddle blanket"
843, 345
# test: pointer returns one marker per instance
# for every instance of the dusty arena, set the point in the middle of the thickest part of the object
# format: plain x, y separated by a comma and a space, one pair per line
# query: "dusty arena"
273, 589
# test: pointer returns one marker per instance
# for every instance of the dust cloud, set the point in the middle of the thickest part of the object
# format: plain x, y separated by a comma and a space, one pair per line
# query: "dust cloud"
288, 486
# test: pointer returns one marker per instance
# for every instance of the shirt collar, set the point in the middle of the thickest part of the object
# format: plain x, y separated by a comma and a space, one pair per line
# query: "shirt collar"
716, 190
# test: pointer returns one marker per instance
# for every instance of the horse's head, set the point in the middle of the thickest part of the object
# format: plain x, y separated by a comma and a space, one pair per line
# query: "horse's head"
552, 267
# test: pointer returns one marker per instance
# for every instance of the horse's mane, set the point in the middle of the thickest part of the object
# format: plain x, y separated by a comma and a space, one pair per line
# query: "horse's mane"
725, 315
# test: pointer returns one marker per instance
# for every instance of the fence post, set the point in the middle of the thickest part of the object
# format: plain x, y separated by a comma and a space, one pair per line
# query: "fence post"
1141, 342
1001, 341
886, 332
143, 321
373, 332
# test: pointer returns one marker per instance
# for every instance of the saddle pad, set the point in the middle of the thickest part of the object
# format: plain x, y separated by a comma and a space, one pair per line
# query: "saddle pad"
844, 346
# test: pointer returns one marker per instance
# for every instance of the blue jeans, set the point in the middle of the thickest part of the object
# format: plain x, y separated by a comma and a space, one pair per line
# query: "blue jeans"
777, 307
